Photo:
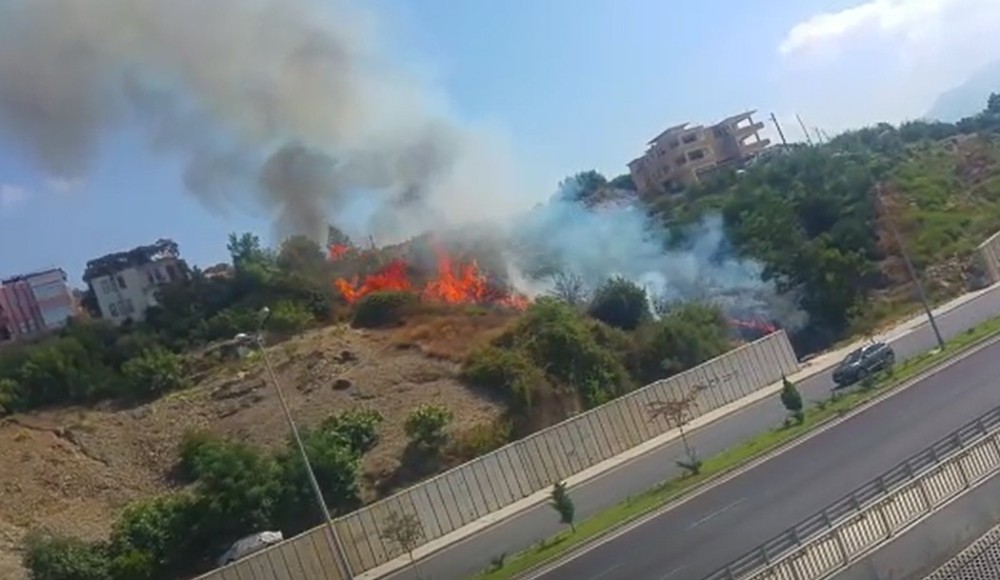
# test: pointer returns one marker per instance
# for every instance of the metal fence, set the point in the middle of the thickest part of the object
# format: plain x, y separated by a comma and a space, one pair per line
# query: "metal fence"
831, 539
458, 497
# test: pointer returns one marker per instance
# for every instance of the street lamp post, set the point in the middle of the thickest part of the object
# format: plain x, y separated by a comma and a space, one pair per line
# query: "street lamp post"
333, 538
909, 266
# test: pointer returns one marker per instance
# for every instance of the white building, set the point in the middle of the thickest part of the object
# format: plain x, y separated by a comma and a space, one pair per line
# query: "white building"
125, 283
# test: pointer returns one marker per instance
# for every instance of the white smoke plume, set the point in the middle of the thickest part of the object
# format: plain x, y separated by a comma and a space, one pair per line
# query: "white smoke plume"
597, 243
286, 103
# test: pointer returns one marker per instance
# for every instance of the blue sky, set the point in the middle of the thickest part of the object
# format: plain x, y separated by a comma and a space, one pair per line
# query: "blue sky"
571, 85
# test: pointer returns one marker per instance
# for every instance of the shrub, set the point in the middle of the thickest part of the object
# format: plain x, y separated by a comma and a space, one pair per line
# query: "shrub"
508, 372
560, 340
686, 337
155, 372
156, 533
480, 439
620, 303
289, 317
358, 426
380, 309
336, 467
10, 397
49, 557
425, 426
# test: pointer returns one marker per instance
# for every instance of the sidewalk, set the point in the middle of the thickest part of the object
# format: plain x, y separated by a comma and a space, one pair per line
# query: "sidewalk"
814, 366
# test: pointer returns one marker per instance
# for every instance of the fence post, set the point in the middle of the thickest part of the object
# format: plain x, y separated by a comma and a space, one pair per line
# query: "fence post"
836, 537
966, 480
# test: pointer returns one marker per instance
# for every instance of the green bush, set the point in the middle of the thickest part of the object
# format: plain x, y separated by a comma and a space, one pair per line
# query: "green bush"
510, 373
51, 557
620, 303
381, 309
289, 317
425, 426
157, 534
557, 338
358, 426
10, 396
686, 337
155, 372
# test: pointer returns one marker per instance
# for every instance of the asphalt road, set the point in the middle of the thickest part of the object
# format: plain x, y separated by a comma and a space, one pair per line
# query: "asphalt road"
762, 502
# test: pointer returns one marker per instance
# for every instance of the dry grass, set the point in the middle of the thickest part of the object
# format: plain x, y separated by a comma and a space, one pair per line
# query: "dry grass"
451, 332
73, 470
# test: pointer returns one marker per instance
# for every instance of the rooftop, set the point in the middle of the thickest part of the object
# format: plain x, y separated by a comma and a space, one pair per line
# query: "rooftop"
683, 126
24, 277
113, 263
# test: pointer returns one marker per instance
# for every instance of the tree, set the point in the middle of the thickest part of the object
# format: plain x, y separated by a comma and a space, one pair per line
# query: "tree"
155, 372
623, 181
686, 336
569, 288
620, 303
51, 557
678, 412
406, 531
425, 426
993, 104
563, 504
358, 426
791, 398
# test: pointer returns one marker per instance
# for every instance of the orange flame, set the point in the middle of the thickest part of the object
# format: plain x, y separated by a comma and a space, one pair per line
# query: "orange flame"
757, 325
456, 285
390, 278
337, 251
453, 284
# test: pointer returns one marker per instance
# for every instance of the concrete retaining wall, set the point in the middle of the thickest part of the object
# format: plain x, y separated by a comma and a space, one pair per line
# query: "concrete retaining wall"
989, 257
465, 494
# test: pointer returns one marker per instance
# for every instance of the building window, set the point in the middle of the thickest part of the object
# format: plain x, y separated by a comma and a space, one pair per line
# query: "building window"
696, 154
680, 160
121, 281
106, 287
113, 309
690, 138
171, 272
127, 307
158, 276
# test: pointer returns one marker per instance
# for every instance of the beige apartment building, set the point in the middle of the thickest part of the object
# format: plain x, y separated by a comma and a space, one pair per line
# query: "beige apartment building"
680, 156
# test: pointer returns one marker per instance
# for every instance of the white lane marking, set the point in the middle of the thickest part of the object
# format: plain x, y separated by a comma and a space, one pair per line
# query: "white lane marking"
672, 572
718, 512
606, 572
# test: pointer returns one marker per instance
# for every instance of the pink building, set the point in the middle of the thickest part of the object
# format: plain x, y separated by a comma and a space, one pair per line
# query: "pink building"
34, 304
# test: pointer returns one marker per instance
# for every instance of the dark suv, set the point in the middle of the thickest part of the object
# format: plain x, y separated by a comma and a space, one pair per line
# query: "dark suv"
863, 363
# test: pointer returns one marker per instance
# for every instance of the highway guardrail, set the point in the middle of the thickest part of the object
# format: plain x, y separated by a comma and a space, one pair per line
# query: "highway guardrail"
836, 536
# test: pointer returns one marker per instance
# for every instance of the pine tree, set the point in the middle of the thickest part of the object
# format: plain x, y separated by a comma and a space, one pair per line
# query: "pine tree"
563, 504
791, 398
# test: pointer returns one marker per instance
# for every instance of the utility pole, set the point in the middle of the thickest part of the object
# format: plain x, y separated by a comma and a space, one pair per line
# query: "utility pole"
909, 265
805, 131
781, 133
333, 538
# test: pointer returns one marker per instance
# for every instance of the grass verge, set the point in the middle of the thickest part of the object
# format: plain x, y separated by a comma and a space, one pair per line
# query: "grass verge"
816, 414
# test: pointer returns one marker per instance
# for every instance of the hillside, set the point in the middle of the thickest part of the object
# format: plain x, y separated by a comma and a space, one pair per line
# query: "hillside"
460, 341
967, 98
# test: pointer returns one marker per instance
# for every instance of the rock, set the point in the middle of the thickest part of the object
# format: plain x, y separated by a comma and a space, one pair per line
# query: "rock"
347, 356
342, 384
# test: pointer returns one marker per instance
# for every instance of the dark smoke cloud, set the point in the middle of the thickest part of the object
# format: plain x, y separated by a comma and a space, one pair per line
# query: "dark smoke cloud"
285, 103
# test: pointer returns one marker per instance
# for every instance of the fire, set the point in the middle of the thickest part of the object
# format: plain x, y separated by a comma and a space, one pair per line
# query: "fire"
760, 326
454, 283
337, 251
390, 278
